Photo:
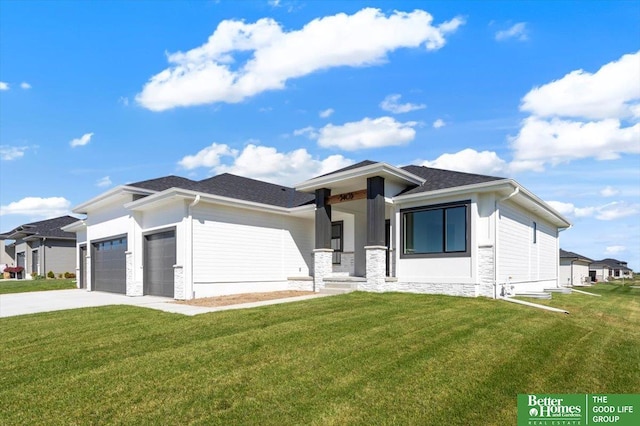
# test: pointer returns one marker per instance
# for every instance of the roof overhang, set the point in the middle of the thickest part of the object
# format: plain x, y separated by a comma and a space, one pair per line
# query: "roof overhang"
109, 197
503, 188
353, 178
173, 195
79, 225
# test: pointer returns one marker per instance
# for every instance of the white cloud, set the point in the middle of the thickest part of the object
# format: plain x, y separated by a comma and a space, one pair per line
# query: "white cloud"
615, 249
207, 157
363, 134
392, 104
556, 140
606, 212
24, 85
611, 92
37, 207
517, 31
4, 85
8, 153
581, 115
439, 123
82, 141
287, 168
265, 163
209, 73
326, 113
469, 161
103, 182
608, 191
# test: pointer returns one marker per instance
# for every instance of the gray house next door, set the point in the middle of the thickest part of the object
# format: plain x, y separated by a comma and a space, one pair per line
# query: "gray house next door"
159, 258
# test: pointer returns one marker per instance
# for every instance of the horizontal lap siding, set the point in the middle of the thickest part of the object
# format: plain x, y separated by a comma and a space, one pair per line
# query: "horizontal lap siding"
520, 259
232, 245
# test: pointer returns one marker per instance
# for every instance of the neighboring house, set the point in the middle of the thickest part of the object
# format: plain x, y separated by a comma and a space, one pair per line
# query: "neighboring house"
372, 225
574, 268
606, 269
40, 247
7, 255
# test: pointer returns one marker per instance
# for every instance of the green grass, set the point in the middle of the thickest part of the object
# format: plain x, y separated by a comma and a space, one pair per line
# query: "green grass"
22, 286
353, 359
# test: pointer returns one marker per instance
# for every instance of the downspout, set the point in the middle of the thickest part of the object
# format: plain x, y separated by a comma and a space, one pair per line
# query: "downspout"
195, 201
497, 234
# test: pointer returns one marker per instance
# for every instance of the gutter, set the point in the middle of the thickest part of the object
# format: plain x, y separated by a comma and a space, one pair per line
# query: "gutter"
496, 227
191, 205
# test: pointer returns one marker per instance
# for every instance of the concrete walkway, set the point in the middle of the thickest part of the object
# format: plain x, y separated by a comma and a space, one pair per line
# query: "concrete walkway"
57, 300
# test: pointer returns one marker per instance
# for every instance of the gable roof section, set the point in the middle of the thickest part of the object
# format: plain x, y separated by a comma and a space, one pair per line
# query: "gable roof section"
436, 179
575, 256
246, 189
165, 182
611, 263
351, 167
49, 228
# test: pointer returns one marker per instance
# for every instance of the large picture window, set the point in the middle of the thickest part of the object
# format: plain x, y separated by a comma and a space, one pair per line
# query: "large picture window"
441, 230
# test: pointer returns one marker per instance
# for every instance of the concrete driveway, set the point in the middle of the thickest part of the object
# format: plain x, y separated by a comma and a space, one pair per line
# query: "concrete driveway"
57, 300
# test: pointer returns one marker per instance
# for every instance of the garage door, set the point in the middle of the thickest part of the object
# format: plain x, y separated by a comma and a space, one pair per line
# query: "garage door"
159, 258
109, 265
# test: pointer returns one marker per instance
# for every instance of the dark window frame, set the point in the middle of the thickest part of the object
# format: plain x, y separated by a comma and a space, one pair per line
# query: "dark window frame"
336, 258
443, 206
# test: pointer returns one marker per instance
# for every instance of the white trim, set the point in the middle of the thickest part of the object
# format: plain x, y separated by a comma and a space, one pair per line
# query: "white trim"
365, 171
118, 190
151, 200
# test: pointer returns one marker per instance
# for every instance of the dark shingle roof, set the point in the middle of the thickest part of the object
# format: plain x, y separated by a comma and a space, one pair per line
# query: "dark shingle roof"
242, 188
166, 182
571, 255
232, 186
441, 179
611, 263
49, 228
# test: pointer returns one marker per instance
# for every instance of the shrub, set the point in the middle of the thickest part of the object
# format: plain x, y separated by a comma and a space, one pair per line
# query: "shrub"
60, 275
34, 275
50, 274
69, 275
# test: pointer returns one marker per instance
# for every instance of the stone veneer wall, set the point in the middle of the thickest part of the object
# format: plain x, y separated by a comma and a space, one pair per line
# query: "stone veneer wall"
132, 288
449, 289
322, 267
486, 271
178, 283
347, 263
376, 265
301, 283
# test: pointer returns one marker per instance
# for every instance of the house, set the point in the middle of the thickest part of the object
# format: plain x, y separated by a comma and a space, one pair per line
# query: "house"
40, 247
606, 269
574, 269
371, 226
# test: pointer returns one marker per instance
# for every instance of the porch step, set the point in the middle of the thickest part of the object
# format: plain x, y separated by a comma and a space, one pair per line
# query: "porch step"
563, 290
534, 295
340, 285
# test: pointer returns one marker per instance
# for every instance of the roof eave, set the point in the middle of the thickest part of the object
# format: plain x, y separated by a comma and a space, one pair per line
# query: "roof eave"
186, 194
384, 168
119, 190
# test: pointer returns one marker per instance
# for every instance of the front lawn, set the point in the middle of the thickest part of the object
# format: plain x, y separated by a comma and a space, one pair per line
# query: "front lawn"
22, 286
359, 358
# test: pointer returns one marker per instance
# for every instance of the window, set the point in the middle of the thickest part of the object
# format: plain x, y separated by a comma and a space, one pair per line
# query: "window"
336, 241
436, 231
535, 232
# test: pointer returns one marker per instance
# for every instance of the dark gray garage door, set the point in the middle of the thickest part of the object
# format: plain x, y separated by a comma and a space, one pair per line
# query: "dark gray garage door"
109, 265
159, 258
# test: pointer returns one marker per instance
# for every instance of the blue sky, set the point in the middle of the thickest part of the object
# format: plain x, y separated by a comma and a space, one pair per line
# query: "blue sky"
98, 94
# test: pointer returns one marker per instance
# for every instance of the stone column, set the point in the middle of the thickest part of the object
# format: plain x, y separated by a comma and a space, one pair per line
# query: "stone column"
376, 262
486, 271
87, 265
178, 283
322, 266
132, 288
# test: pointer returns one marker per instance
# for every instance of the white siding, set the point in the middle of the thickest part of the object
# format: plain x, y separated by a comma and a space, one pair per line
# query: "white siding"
575, 274
520, 260
238, 245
